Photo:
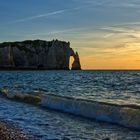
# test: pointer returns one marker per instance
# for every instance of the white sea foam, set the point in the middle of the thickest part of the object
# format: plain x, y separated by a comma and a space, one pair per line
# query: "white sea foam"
125, 115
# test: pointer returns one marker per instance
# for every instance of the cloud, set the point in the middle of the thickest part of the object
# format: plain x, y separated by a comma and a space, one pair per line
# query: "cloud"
127, 24
124, 4
39, 16
95, 2
44, 15
118, 29
119, 46
70, 30
113, 3
121, 32
134, 36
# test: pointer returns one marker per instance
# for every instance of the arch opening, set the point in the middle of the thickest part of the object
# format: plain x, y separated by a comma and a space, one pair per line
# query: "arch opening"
71, 60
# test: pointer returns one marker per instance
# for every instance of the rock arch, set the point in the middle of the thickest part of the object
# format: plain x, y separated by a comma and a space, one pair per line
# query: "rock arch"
76, 63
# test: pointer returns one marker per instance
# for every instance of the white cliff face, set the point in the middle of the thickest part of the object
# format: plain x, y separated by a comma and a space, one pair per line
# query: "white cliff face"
4, 61
37, 54
58, 55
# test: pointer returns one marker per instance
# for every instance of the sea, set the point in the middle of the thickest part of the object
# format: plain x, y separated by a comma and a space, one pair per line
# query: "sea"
116, 87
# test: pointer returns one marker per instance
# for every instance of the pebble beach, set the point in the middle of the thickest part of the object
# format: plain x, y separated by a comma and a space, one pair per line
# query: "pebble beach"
8, 132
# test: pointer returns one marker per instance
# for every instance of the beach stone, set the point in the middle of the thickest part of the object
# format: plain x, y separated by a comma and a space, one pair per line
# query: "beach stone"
106, 139
8, 132
65, 138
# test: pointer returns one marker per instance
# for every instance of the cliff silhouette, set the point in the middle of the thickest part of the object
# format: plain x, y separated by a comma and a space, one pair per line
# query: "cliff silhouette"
38, 54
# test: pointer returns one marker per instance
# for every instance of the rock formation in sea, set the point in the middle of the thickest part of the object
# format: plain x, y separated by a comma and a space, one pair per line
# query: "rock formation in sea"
76, 63
38, 54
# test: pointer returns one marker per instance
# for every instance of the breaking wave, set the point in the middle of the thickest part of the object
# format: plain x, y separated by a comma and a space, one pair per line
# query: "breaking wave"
122, 114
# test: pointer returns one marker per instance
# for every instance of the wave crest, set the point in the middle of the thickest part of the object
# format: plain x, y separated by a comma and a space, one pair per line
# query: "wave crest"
125, 115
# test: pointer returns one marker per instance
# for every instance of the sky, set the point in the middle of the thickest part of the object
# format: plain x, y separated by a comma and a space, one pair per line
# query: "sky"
106, 33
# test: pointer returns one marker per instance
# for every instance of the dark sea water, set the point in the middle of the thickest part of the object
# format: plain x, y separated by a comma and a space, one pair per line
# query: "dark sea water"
118, 87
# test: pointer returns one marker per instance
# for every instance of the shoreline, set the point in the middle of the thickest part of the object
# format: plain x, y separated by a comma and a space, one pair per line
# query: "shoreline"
10, 132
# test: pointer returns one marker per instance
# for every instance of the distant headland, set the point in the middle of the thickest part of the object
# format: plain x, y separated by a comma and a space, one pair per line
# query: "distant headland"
38, 54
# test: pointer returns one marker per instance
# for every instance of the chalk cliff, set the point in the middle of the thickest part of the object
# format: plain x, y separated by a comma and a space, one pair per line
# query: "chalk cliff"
38, 54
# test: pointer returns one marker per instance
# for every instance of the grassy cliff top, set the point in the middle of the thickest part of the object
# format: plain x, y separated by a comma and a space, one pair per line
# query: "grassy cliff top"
33, 42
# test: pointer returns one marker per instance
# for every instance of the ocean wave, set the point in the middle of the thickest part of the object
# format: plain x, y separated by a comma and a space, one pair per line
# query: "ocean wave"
127, 115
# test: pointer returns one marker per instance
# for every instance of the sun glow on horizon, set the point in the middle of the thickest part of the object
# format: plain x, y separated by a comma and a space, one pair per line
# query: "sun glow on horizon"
106, 34
126, 56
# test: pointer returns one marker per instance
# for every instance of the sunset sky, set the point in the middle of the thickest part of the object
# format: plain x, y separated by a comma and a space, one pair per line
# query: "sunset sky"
106, 33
